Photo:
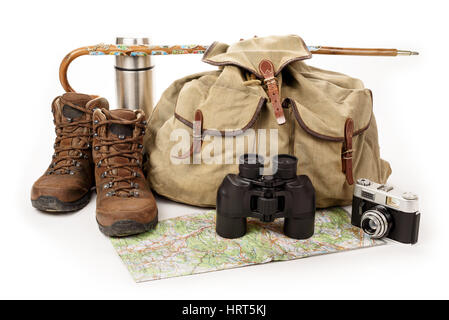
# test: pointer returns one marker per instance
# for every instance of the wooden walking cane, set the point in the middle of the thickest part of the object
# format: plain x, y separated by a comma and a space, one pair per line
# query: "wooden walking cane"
144, 50
361, 51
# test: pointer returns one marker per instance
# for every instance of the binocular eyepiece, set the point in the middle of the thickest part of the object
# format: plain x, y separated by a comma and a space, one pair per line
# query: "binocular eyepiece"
251, 165
284, 166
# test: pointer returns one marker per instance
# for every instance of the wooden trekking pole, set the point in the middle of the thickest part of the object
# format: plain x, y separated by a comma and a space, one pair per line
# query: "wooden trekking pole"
144, 50
361, 51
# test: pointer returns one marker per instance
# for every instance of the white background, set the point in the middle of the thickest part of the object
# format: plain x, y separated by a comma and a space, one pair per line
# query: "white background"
44, 256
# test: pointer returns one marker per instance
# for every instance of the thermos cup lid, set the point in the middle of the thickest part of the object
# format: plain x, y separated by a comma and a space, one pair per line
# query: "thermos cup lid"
136, 63
132, 41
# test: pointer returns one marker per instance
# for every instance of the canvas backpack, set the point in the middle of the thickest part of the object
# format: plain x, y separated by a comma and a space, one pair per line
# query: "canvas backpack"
262, 93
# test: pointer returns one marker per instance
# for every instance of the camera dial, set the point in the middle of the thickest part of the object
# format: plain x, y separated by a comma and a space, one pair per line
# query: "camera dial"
363, 182
376, 222
409, 196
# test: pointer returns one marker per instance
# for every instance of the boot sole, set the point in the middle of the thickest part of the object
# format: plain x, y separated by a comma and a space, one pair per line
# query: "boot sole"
124, 228
54, 205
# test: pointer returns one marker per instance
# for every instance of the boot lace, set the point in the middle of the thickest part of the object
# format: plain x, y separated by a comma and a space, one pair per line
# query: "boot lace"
63, 164
129, 188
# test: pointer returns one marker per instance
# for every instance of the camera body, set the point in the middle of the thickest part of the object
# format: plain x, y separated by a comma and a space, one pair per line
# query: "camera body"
383, 211
251, 194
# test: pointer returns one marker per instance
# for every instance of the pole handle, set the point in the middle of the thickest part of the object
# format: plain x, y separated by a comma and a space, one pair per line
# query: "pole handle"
121, 50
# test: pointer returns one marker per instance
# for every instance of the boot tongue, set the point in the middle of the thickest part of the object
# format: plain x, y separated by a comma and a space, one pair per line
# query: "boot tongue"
124, 114
68, 112
122, 131
79, 99
119, 132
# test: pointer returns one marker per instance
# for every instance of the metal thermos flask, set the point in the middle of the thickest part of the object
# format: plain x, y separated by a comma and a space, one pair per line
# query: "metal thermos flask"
134, 78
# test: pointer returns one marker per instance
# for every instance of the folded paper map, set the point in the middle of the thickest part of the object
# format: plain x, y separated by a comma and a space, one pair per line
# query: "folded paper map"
189, 244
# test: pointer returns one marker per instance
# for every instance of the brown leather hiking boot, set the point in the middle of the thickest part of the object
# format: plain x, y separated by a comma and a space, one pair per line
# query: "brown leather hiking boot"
125, 204
66, 184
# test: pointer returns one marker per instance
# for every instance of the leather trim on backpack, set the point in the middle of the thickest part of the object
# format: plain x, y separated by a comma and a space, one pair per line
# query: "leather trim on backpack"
226, 63
231, 133
319, 135
260, 76
347, 152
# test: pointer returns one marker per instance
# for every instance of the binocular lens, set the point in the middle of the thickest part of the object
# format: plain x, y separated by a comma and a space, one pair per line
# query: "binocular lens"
250, 166
285, 166
376, 223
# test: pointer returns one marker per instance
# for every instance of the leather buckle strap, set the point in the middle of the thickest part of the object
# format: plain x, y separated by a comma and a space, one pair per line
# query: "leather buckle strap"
266, 68
347, 151
197, 135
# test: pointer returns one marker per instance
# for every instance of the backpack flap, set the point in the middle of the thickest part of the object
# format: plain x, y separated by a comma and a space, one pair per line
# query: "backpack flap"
247, 54
264, 58
326, 121
227, 105
337, 123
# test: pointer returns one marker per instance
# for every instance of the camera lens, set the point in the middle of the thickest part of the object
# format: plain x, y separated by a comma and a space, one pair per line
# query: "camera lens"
373, 225
250, 166
284, 166
376, 222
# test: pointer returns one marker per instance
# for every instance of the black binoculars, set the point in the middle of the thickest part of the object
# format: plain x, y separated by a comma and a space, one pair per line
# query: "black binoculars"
266, 197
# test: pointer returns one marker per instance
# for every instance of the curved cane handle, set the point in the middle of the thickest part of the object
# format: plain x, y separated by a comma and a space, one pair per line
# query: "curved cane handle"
65, 66
121, 50
100, 49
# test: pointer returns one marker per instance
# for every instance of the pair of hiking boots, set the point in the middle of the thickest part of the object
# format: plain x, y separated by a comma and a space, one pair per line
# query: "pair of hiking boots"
102, 148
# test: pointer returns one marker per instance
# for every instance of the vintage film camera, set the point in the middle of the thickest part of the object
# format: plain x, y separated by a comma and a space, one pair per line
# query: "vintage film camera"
383, 211
266, 197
